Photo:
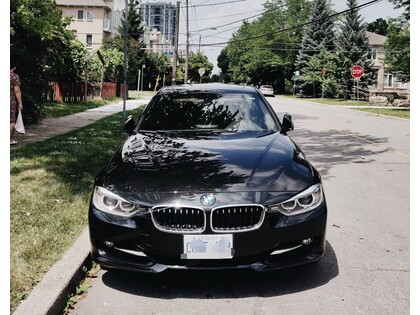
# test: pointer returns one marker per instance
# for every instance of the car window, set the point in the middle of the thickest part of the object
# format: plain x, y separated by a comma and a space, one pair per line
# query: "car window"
230, 112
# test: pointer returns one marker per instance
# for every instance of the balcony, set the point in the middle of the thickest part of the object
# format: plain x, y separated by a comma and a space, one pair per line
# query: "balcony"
107, 26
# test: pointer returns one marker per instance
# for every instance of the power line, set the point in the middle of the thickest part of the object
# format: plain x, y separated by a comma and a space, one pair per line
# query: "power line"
225, 16
213, 4
296, 26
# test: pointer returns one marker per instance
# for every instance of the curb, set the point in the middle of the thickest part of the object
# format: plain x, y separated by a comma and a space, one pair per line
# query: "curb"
50, 295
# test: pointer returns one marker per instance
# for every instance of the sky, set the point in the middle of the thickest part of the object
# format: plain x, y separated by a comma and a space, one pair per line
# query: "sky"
208, 19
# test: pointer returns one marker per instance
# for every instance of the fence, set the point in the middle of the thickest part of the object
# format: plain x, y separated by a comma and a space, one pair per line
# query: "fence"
69, 92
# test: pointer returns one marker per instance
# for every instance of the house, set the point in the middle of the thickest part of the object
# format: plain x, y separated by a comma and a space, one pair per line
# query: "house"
386, 83
92, 20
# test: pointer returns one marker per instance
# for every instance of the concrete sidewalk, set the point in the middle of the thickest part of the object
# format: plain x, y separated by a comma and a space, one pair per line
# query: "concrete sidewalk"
51, 127
49, 296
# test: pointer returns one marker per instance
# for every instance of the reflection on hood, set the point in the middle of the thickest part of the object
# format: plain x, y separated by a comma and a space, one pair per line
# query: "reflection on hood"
160, 163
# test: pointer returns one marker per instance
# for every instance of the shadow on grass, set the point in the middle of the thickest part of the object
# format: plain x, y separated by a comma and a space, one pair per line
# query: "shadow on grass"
75, 157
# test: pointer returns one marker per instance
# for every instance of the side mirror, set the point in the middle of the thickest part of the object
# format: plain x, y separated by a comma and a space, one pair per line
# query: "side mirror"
287, 122
129, 125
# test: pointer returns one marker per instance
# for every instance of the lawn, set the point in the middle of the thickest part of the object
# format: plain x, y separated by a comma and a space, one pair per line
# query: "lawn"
361, 106
63, 109
50, 186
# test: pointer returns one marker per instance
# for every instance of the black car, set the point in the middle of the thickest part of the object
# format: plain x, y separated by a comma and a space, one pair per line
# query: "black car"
207, 179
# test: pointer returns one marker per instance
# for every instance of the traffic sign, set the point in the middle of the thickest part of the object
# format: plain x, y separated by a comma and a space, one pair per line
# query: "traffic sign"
201, 71
357, 72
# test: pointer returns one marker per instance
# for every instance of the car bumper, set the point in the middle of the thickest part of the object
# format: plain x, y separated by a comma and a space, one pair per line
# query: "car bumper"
136, 245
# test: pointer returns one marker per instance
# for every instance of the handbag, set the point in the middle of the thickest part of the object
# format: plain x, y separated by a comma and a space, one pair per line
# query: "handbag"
19, 126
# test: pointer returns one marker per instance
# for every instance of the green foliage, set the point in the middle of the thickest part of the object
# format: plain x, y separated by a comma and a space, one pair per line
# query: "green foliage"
317, 35
336, 67
135, 29
197, 61
403, 4
44, 48
269, 57
379, 26
397, 48
353, 41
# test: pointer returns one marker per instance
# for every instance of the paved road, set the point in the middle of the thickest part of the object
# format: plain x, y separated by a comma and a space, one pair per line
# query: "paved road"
364, 161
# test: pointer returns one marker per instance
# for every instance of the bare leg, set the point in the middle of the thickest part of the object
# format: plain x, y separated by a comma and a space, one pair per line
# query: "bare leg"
12, 130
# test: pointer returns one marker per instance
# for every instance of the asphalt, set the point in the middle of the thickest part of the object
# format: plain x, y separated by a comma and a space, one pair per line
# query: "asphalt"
49, 296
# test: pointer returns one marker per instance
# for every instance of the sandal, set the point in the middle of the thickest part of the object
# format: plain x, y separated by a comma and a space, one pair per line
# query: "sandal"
13, 142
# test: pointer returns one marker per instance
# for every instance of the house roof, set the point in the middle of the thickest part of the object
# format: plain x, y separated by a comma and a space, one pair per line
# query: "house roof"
82, 3
375, 39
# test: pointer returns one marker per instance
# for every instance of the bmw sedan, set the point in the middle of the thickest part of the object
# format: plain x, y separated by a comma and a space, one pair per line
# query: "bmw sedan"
207, 179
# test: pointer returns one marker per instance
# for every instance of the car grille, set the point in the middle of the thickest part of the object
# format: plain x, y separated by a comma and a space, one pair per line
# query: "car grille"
237, 218
179, 219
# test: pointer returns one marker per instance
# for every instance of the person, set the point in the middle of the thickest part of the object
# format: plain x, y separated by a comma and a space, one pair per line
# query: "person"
15, 98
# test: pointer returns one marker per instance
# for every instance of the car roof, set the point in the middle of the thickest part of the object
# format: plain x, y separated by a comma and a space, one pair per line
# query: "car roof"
209, 87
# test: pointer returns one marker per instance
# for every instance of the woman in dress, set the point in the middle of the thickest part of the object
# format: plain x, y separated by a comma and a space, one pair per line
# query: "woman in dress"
15, 98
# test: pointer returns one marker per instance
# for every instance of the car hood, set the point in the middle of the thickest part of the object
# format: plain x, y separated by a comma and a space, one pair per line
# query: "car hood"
155, 162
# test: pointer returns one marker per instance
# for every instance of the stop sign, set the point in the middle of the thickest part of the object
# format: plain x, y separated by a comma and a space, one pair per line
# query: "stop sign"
357, 72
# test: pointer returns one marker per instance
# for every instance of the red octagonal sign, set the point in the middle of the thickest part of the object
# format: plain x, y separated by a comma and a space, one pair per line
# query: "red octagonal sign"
357, 72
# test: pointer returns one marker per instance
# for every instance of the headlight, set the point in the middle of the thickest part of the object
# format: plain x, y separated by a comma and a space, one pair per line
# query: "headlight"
106, 201
303, 202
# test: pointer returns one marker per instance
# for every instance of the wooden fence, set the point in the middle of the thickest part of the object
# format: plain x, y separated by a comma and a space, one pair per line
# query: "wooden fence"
69, 92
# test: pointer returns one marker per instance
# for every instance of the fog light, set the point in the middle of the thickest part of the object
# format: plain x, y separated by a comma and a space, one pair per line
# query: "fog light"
307, 241
108, 244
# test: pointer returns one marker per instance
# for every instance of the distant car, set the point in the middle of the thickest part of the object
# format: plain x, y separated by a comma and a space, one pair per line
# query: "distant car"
207, 179
267, 90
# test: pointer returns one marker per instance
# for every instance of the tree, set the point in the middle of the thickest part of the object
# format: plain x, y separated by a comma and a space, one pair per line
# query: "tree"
197, 61
379, 26
135, 29
402, 4
136, 54
260, 52
318, 34
397, 44
397, 48
354, 42
46, 50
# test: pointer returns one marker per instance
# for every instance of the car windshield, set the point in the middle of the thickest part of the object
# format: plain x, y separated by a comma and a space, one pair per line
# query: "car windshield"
223, 112
266, 87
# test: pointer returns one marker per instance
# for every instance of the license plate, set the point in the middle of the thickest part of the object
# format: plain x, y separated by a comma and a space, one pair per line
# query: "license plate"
214, 246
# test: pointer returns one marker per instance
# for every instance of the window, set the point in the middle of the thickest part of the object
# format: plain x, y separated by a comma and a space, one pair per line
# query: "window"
373, 54
80, 14
89, 15
89, 40
388, 80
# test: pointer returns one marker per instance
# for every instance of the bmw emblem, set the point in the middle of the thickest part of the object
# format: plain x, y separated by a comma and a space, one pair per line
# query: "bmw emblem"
208, 200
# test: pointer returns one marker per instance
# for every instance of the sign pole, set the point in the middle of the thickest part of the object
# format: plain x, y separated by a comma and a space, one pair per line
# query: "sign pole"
138, 84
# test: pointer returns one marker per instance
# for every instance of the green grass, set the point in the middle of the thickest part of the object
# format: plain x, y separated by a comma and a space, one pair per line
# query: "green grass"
400, 113
64, 109
50, 110
50, 185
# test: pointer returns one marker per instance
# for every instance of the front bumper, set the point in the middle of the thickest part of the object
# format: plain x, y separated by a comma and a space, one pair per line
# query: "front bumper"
135, 244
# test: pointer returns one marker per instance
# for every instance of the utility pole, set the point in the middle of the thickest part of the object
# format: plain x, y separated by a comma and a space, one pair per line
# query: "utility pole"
187, 52
175, 55
125, 59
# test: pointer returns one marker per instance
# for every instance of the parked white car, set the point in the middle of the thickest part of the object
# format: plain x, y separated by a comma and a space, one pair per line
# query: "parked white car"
267, 90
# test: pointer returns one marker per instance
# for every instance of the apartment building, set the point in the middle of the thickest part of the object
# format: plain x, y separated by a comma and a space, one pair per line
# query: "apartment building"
92, 20
160, 16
